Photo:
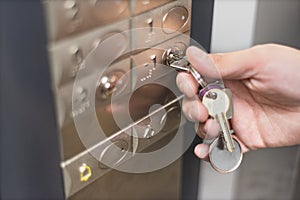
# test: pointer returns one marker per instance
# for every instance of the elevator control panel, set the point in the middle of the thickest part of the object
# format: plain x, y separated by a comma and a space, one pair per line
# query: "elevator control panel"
104, 58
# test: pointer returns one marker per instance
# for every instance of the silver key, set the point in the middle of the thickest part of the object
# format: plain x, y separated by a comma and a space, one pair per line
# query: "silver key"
174, 58
220, 107
218, 104
183, 64
229, 113
222, 160
224, 152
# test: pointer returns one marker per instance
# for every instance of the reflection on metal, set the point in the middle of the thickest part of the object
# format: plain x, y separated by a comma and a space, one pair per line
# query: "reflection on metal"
175, 19
172, 54
110, 83
85, 172
149, 132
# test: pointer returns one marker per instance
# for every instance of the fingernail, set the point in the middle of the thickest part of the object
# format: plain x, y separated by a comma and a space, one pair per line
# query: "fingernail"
184, 87
181, 86
201, 151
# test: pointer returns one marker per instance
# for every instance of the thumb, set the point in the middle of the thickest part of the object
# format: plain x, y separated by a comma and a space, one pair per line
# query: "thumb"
233, 65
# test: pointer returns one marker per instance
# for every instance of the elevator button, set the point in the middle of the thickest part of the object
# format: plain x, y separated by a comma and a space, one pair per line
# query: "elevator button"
70, 4
71, 9
110, 83
76, 54
76, 59
85, 172
175, 19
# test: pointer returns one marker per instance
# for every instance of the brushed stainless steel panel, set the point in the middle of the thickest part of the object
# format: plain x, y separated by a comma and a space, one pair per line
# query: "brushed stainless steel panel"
67, 91
67, 56
154, 24
140, 6
114, 155
126, 186
72, 17
76, 29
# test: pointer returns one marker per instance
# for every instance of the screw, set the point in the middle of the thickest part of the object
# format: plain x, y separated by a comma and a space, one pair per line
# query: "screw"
212, 95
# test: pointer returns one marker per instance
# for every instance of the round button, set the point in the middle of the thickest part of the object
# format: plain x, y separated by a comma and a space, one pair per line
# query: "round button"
175, 19
110, 83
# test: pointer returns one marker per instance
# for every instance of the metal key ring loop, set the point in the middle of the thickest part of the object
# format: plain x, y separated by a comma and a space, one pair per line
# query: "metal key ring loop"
222, 160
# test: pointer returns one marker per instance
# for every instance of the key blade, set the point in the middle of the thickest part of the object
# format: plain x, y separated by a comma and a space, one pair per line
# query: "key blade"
181, 65
224, 125
179, 68
218, 103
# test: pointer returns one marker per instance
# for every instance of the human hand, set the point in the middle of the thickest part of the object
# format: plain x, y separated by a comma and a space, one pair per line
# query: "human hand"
264, 81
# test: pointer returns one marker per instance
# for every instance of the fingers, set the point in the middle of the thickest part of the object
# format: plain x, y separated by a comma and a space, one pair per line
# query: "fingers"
187, 84
234, 65
192, 107
208, 130
194, 110
243, 146
201, 151
201, 62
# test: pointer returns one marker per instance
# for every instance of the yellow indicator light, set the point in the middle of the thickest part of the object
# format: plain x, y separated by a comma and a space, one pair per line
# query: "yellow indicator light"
85, 172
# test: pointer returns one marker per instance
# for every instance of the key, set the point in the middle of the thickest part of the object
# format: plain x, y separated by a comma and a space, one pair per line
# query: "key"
218, 103
183, 64
174, 58
225, 152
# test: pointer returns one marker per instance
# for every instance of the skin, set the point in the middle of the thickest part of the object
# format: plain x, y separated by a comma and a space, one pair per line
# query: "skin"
265, 83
